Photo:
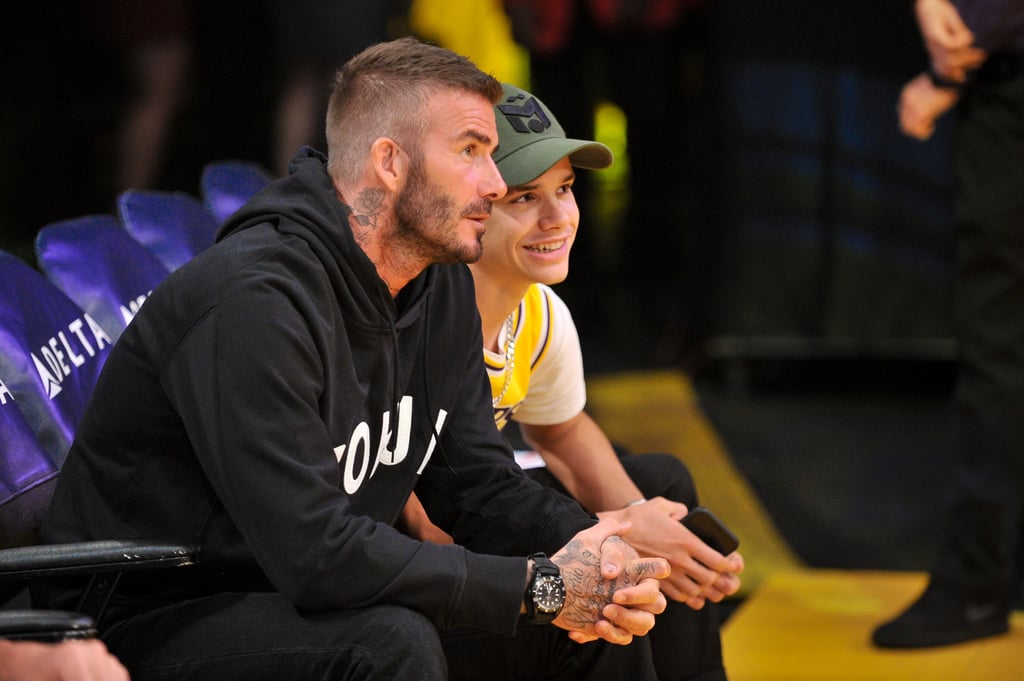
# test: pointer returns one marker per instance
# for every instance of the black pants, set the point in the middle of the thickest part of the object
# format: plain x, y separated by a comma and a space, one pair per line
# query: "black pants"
983, 521
262, 637
686, 643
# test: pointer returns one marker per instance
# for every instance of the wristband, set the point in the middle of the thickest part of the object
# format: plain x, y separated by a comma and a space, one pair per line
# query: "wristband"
635, 502
944, 83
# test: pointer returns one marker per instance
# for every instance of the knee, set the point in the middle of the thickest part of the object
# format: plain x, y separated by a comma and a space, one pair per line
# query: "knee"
664, 475
406, 646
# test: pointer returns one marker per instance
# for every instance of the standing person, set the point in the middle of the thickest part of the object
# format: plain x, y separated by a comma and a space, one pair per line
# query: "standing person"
156, 42
312, 37
279, 397
65, 661
976, 49
534, 360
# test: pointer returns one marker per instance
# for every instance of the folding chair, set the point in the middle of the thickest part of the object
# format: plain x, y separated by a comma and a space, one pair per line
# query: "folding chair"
226, 185
175, 226
100, 267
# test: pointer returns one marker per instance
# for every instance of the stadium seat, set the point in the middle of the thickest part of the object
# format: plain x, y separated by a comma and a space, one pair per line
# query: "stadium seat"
226, 185
100, 267
51, 353
27, 475
175, 226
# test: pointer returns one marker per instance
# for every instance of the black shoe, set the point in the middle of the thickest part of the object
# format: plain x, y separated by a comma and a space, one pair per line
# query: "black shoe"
944, 615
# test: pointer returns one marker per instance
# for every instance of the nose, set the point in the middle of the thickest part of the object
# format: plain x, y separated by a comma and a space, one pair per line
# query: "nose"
492, 185
556, 214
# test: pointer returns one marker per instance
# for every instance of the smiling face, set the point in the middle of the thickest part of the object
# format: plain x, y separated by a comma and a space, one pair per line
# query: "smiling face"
531, 231
452, 181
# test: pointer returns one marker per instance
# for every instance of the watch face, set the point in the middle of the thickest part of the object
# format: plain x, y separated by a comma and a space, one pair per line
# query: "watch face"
548, 594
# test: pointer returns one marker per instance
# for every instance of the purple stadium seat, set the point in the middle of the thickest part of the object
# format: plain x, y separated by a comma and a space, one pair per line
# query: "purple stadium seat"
175, 226
226, 185
27, 476
99, 266
51, 353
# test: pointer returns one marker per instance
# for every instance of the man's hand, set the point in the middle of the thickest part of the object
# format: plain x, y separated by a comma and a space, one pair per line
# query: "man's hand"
610, 591
699, 573
949, 42
921, 104
68, 661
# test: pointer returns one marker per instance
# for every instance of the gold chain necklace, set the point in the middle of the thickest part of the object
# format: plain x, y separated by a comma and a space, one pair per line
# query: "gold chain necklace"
510, 360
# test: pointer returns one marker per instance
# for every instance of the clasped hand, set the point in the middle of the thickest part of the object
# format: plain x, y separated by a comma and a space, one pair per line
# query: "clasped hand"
699, 573
611, 592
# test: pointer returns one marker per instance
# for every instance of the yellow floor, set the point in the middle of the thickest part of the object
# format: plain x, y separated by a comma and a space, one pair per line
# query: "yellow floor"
815, 625
794, 623
659, 411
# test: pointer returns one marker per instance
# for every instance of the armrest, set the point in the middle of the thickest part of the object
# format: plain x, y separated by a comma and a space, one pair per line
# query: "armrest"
56, 560
45, 625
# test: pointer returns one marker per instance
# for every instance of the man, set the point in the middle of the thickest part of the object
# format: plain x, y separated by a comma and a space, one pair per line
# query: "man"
976, 48
277, 399
533, 357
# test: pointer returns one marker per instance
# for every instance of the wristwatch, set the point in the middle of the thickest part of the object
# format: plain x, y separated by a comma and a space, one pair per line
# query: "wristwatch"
545, 594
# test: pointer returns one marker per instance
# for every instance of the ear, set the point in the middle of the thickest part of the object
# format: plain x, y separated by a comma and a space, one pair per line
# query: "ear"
389, 164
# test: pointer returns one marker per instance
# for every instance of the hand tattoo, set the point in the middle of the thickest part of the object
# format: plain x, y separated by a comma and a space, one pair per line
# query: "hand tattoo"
581, 572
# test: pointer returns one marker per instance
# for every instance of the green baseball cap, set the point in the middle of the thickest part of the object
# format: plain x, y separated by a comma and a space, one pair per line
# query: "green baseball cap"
530, 140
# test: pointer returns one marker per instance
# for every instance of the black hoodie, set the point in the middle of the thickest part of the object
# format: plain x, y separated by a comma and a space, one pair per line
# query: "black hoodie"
273, 403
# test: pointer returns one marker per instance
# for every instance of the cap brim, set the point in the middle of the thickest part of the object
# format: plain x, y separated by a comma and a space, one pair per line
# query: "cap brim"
530, 162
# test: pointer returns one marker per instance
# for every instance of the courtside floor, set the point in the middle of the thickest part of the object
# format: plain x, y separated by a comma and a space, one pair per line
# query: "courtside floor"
658, 411
815, 625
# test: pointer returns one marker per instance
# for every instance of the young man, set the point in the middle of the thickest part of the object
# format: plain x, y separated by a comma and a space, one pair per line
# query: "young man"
277, 399
532, 354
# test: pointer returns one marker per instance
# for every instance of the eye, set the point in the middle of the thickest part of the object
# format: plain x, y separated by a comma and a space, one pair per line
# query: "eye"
565, 188
525, 197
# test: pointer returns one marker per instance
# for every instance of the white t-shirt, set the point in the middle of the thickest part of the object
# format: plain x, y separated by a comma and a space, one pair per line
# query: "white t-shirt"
546, 384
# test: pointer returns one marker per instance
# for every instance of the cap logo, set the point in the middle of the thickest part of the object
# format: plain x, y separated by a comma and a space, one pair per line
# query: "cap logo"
527, 116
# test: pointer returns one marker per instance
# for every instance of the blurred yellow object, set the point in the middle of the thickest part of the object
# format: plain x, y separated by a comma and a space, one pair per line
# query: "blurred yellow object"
477, 29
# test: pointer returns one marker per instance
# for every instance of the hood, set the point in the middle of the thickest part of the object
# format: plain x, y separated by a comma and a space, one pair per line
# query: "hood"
304, 205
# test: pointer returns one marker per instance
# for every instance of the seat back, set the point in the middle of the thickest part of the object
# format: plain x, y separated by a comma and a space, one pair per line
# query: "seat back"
226, 185
51, 353
27, 476
100, 267
175, 226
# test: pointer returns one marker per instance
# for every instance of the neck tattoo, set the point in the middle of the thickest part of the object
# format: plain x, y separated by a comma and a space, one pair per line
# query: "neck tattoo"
510, 360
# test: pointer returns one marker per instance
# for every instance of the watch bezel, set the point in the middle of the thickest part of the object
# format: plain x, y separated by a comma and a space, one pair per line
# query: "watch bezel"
545, 595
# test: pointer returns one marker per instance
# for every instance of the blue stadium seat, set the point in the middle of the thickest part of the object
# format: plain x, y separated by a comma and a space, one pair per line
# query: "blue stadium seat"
226, 185
175, 226
100, 267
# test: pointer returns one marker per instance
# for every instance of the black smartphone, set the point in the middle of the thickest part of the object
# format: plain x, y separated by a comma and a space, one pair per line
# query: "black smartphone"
706, 525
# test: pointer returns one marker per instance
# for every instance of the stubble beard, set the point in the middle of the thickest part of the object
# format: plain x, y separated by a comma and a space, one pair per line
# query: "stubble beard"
427, 221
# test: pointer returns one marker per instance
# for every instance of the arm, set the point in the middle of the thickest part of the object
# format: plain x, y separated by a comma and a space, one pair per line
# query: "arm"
950, 43
69, 661
580, 455
921, 104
